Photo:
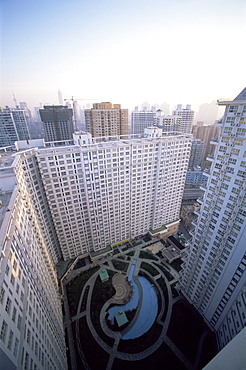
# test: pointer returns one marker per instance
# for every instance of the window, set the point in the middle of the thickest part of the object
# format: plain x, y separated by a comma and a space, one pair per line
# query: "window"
14, 314
3, 331
8, 305
16, 347
2, 293
19, 322
11, 333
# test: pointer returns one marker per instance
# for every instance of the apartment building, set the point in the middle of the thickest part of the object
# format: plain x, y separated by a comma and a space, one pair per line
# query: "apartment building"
214, 273
206, 134
106, 119
196, 153
13, 126
58, 123
187, 117
140, 120
168, 123
31, 324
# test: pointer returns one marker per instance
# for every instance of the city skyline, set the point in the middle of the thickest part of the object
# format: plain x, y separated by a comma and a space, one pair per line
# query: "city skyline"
121, 52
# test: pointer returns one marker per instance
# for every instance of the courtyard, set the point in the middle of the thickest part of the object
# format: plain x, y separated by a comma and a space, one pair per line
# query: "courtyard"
178, 337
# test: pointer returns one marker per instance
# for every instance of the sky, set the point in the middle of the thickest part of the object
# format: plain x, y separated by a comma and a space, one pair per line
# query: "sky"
123, 51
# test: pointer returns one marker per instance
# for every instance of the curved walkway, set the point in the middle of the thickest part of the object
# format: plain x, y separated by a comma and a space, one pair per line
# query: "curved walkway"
122, 294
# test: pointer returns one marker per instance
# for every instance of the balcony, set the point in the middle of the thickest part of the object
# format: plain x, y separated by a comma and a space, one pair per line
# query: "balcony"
200, 200
214, 141
203, 187
210, 158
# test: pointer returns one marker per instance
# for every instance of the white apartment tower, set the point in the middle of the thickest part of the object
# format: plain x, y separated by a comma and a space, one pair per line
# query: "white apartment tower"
167, 123
31, 324
104, 193
140, 120
214, 275
187, 117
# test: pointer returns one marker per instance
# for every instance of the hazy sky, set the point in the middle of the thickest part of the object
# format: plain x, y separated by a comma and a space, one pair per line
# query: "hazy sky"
124, 51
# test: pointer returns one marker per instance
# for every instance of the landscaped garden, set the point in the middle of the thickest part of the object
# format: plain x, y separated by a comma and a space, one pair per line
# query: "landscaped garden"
185, 327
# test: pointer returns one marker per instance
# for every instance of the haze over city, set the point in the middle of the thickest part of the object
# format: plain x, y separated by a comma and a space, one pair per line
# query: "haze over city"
126, 52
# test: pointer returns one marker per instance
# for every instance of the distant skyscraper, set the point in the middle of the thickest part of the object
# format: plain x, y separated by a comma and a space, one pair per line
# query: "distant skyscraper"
187, 117
60, 99
206, 134
208, 113
167, 123
165, 108
13, 126
141, 120
214, 271
145, 106
58, 123
106, 119
196, 153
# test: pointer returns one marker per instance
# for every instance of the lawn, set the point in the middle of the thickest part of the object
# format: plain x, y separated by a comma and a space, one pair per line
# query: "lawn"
185, 329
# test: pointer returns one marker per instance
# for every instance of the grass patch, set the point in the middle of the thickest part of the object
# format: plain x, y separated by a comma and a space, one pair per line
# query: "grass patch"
185, 329
84, 299
209, 350
146, 266
147, 238
162, 358
75, 287
101, 293
131, 253
80, 263
175, 293
168, 275
115, 251
147, 255
176, 264
163, 287
96, 357
120, 265
136, 243
141, 343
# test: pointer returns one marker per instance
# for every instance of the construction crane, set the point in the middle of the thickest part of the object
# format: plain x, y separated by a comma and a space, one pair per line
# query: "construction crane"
74, 110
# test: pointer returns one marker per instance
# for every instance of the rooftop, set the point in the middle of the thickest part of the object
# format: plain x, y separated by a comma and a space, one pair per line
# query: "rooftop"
121, 318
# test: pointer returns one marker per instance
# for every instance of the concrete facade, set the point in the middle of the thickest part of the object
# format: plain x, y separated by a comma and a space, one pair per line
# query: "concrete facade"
214, 273
106, 119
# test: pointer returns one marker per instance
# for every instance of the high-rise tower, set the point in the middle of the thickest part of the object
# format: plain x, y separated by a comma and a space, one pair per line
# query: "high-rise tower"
214, 273
187, 117
141, 120
58, 123
31, 322
13, 126
106, 119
